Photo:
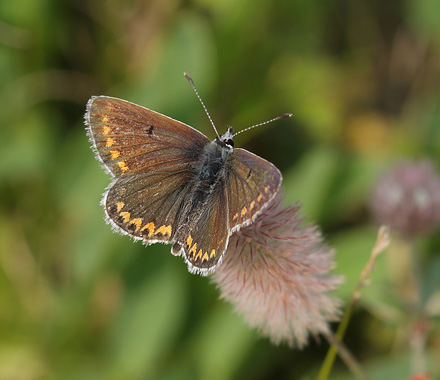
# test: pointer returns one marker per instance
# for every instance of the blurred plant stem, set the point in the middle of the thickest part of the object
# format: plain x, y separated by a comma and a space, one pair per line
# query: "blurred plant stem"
343, 351
382, 242
419, 329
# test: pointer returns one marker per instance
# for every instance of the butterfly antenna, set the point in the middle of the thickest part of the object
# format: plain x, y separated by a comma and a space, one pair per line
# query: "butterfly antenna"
201, 101
283, 116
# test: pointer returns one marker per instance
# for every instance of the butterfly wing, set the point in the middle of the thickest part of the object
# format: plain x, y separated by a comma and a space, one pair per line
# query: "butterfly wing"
129, 139
151, 156
253, 183
208, 239
146, 206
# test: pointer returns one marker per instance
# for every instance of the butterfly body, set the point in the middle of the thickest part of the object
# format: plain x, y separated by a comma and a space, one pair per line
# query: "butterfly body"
212, 168
210, 175
171, 184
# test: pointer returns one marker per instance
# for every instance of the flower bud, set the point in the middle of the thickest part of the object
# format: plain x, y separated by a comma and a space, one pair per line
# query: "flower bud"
407, 198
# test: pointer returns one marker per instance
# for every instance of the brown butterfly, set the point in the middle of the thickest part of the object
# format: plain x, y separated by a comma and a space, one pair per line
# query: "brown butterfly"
172, 185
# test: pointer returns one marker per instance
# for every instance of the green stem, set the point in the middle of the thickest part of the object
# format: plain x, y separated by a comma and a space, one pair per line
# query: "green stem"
382, 242
332, 352
418, 331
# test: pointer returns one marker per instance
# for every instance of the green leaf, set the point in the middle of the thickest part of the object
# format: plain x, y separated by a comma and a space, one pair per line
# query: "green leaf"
148, 322
424, 15
220, 345
310, 181
353, 250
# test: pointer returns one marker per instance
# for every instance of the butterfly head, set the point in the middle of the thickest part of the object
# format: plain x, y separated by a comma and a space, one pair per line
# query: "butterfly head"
226, 140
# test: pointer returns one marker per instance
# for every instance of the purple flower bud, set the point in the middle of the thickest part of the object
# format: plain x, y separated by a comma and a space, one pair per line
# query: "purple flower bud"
276, 273
407, 198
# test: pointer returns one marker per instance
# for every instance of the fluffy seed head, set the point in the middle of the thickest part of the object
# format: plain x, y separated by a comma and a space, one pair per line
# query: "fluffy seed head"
276, 274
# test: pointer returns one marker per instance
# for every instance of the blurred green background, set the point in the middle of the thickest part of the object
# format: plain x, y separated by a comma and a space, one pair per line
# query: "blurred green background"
79, 302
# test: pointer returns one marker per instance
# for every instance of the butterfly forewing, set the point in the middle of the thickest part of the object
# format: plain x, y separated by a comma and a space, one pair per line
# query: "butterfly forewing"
253, 182
130, 139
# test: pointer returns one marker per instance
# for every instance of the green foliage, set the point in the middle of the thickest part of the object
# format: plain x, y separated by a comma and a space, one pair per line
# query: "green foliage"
76, 300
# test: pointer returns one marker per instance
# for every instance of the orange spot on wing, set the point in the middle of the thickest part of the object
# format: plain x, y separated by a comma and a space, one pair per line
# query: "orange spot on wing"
193, 249
115, 154
251, 205
199, 254
205, 257
126, 216
189, 240
235, 216
109, 142
137, 222
120, 205
105, 130
149, 227
123, 166
259, 197
164, 230
266, 189
212, 253
243, 211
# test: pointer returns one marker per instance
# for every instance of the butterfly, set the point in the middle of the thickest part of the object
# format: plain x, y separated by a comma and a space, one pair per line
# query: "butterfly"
173, 185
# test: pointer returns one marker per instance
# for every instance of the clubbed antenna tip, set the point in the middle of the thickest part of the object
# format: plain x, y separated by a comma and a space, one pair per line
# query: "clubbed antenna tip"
283, 116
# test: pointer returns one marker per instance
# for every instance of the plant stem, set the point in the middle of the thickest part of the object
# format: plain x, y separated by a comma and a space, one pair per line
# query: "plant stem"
346, 356
419, 329
382, 242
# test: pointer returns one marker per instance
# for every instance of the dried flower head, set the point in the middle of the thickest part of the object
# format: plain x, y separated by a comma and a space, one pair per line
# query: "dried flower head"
276, 273
407, 198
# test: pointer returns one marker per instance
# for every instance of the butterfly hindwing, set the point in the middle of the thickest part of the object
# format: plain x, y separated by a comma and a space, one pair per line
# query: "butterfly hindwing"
208, 239
253, 182
147, 205
129, 139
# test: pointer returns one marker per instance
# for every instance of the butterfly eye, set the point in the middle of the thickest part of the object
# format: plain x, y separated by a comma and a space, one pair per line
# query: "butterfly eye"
227, 139
229, 142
